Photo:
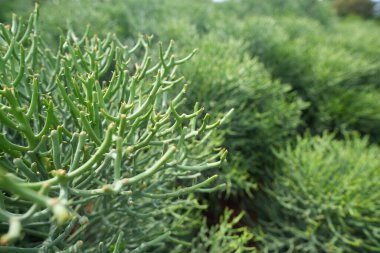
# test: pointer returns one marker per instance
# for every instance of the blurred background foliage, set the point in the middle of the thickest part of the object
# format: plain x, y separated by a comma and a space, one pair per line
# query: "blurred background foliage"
289, 68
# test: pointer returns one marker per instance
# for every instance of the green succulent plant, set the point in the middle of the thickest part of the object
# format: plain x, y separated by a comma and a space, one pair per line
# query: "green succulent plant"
325, 198
95, 152
224, 236
267, 112
295, 53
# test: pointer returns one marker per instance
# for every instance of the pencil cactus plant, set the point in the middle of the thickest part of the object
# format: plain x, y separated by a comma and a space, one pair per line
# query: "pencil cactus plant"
224, 237
325, 198
342, 97
95, 153
267, 111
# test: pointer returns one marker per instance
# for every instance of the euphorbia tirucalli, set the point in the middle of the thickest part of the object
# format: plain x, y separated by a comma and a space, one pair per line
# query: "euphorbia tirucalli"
325, 197
95, 152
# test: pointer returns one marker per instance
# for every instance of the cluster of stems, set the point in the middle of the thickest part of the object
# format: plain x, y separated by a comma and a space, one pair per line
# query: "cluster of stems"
95, 152
323, 198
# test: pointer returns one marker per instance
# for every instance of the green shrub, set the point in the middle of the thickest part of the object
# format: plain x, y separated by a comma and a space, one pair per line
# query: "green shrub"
358, 36
224, 237
103, 16
266, 115
95, 152
352, 109
314, 9
273, 104
325, 198
129, 18
319, 72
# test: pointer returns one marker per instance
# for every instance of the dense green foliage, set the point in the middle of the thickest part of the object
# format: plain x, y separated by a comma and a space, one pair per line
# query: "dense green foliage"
286, 67
342, 95
97, 148
264, 106
266, 114
223, 237
324, 198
